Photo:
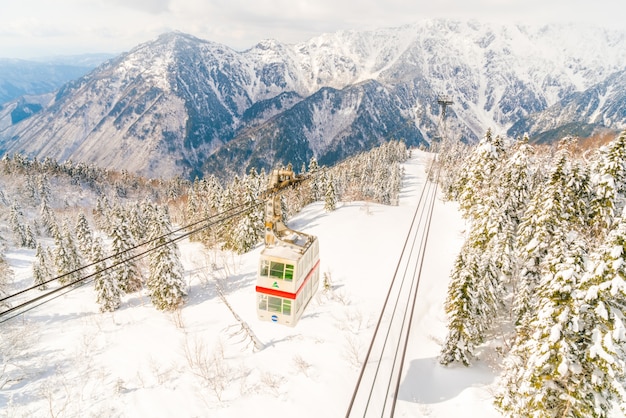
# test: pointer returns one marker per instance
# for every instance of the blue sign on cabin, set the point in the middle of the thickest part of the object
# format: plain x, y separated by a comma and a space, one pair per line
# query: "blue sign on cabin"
274, 318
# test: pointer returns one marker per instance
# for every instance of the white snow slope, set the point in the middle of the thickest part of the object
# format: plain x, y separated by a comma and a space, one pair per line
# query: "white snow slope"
65, 359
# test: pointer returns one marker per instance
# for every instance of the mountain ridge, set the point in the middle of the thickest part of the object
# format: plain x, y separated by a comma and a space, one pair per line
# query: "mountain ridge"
180, 105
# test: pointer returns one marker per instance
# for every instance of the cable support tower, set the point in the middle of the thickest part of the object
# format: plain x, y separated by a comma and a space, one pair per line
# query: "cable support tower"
444, 101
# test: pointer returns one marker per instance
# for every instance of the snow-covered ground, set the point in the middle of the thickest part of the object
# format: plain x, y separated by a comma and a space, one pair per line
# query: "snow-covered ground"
66, 359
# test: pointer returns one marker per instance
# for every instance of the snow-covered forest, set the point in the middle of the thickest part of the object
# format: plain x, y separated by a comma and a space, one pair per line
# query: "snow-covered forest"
541, 274
74, 215
539, 279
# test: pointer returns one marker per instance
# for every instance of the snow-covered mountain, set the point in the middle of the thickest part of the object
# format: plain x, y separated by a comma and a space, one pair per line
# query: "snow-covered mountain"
182, 105
602, 105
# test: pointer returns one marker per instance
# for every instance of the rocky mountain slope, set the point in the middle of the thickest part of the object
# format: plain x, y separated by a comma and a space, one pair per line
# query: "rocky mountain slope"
184, 106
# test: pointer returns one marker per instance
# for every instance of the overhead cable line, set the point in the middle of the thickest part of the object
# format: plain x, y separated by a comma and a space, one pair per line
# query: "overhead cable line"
114, 255
80, 281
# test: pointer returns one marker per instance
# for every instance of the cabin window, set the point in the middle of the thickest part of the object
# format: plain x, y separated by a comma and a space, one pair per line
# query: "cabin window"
277, 270
286, 307
265, 267
289, 272
274, 304
263, 302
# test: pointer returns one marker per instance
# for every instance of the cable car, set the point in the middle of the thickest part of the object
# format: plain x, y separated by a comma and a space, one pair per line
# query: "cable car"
288, 273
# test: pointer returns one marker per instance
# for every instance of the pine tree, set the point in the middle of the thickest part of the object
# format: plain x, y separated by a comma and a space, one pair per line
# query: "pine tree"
546, 374
315, 186
66, 258
602, 310
462, 328
165, 283
106, 286
608, 179
249, 228
5, 277
476, 293
47, 217
41, 268
84, 236
556, 206
330, 198
22, 233
473, 300
475, 182
44, 189
125, 271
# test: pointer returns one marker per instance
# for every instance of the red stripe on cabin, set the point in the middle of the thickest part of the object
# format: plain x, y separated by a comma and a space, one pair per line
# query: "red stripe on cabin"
288, 295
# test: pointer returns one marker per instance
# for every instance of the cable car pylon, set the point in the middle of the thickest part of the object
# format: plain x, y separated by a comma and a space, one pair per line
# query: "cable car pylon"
444, 101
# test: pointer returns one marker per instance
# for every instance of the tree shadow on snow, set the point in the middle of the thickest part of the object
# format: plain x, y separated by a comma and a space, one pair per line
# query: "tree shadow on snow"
429, 382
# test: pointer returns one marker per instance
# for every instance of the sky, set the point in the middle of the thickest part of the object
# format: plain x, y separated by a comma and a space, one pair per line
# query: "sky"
43, 28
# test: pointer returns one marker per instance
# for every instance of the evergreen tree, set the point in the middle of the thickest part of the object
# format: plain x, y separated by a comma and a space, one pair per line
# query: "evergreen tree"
476, 293
47, 217
330, 198
44, 189
546, 373
125, 271
462, 328
106, 285
5, 277
22, 233
473, 300
41, 268
602, 310
555, 207
315, 186
476, 180
608, 182
165, 283
66, 258
249, 228
84, 236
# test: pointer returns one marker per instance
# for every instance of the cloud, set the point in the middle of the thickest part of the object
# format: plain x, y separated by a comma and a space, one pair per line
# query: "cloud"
30, 27
148, 6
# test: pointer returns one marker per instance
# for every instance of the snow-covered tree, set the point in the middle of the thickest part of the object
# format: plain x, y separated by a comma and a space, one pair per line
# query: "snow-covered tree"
476, 180
125, 271
330, 198
248, 230
106, 285
42, 271
608, 182
84, 236
546, 373
558, 205
315, 181
473, 300
5, 277
476, 293
165, 282
462, 328
66, 257
47, 217
22, 233
602, 310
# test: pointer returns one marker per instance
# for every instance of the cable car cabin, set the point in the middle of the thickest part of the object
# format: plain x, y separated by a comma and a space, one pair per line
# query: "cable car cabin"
288, 277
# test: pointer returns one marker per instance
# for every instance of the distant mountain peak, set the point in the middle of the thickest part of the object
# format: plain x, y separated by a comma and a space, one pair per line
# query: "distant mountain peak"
180, 105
